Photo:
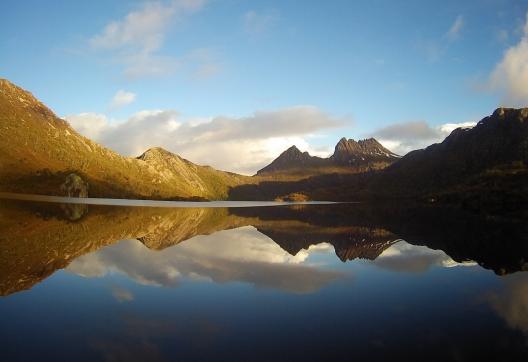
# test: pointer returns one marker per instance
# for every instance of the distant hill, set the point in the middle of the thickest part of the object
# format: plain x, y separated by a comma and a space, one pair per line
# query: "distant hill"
349, 157
39, 150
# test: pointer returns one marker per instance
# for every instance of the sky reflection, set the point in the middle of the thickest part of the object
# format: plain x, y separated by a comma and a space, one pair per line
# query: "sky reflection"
243, 255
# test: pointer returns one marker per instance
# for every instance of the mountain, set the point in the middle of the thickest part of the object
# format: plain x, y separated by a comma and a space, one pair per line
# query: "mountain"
484, 168
498, 143
349, 156
40, 153
479, 168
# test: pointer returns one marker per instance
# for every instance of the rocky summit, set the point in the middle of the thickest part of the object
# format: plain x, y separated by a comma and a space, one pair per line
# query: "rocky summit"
368, 151
349, 156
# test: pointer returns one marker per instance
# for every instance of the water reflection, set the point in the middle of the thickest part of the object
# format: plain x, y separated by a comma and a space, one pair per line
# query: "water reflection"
311, 282
240, 255
405, 257
511, 301
269, 247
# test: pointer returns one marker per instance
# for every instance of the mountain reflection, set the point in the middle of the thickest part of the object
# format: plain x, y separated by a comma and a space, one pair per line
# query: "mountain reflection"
267, 247
241, 255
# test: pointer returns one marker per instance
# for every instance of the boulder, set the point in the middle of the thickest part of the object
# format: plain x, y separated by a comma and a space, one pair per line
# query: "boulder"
74, 186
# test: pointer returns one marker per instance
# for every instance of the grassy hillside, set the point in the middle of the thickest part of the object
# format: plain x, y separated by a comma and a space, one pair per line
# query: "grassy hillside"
38, 150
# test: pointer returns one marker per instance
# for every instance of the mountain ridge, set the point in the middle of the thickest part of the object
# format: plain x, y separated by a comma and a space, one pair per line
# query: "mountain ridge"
39, 150
349, 156
481, 166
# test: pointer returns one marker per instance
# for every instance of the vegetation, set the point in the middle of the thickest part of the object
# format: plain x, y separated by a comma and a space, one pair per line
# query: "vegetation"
39, 151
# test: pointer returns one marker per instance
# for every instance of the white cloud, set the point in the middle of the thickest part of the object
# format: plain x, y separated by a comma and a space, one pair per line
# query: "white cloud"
143, 28
243, 144
258, 23
90, 125
402, 138
454, 31
122, 98
135, 40
510, 75
447, 128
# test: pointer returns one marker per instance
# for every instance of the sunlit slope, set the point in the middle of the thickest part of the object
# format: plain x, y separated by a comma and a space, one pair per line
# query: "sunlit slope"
38, 150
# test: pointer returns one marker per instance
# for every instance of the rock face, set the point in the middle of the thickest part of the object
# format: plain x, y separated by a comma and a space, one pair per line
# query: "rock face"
349, 156
368, 151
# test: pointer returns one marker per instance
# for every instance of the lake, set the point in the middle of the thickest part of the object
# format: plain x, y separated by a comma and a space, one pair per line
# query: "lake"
262, 282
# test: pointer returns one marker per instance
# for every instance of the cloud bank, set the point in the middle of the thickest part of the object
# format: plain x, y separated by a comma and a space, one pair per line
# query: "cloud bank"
243, 144
404, 137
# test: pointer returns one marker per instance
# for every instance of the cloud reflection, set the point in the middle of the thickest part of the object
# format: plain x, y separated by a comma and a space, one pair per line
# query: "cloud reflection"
241, 254
511, 303
405, 257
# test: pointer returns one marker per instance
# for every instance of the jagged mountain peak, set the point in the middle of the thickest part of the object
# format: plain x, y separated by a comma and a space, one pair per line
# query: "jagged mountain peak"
368, 150
293, 150
365, 146
293, 153
349, 155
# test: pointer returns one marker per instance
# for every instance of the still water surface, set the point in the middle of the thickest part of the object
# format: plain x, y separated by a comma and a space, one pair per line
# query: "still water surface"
283, 283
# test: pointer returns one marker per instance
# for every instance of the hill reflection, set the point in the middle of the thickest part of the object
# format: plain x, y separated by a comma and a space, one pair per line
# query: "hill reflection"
268, 247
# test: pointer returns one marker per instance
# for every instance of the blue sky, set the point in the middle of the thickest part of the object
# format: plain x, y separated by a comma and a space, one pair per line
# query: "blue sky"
362, 66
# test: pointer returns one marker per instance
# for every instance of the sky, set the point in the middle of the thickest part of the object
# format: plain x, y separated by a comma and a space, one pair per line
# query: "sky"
233, 83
